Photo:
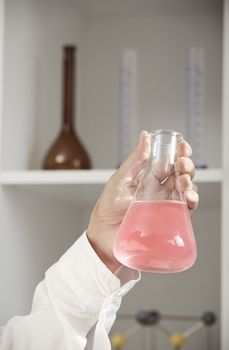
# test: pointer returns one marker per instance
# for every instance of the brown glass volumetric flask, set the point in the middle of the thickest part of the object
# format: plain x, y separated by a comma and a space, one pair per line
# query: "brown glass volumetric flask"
67, 151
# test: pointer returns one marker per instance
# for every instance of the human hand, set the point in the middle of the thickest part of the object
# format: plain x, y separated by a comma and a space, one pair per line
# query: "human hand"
116, 196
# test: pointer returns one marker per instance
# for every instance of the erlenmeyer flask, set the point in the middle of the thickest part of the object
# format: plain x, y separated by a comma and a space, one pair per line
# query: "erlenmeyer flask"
156, 233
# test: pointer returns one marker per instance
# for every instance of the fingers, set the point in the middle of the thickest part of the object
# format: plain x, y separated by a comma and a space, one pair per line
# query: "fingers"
138, 158
189, 189
185, 165
184, 183
192, 199
184, 149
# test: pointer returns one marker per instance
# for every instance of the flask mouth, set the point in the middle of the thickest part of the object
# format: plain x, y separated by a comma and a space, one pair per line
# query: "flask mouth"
165, 136
166, 132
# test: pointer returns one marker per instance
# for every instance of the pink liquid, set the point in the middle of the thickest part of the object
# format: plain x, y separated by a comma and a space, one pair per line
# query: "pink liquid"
156, 236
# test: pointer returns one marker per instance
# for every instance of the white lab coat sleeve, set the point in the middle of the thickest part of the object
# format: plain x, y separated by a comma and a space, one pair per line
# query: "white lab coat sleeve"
74, 307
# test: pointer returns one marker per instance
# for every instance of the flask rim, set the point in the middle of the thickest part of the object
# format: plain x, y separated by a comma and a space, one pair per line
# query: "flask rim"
166, 132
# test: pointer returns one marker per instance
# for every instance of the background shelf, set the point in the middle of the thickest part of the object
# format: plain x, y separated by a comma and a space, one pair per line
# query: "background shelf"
83, 177
82, 188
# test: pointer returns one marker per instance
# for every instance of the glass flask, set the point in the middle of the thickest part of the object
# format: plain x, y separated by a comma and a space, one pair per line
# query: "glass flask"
156, 234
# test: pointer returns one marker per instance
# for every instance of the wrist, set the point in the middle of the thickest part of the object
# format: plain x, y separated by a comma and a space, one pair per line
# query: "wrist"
108, 259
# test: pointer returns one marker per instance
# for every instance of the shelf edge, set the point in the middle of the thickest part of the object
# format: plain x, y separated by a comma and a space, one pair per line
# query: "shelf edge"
81, 177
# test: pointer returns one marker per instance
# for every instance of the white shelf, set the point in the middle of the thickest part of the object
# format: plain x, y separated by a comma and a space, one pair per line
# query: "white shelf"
41, 177
81, 188
83, 177
208, 175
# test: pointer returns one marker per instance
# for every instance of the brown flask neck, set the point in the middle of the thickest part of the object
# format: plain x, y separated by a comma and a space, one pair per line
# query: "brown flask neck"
68, 87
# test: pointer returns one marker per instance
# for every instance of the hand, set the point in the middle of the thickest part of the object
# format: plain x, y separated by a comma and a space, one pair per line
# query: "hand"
116, 196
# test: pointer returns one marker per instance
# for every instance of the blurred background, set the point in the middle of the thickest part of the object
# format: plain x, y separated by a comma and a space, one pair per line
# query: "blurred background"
141, 64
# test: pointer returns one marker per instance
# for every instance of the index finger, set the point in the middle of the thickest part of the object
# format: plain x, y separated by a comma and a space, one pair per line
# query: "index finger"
184, 149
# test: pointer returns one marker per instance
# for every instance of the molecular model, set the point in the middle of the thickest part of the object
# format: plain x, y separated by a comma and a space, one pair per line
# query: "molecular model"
154, 319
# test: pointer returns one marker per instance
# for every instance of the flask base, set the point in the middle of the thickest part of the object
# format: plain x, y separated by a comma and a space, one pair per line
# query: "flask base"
155, 264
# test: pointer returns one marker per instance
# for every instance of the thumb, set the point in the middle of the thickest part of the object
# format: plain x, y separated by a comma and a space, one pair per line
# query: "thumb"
138, 158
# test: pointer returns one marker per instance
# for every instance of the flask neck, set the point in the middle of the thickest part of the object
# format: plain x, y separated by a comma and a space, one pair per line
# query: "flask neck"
163, 146
159, 179
68, 88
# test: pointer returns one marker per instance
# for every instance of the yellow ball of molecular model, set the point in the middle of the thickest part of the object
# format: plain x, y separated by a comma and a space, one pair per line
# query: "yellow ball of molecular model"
177, 340
118, 341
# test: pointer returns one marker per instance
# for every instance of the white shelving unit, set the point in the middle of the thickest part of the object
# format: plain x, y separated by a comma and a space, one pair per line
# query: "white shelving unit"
43, 212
